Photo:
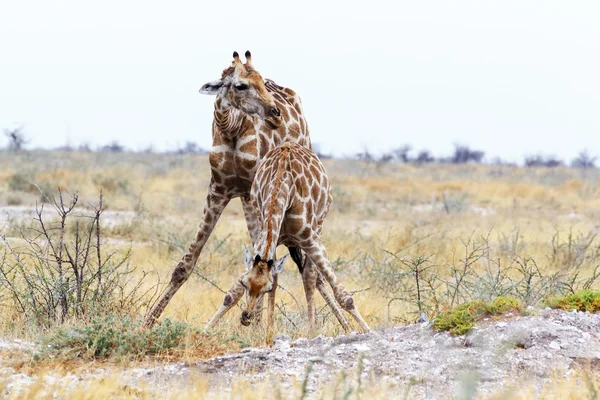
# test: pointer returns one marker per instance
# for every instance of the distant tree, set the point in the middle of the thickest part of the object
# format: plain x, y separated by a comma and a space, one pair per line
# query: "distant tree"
84, 147
402, 153
385, 158
584, 160
365, 155
65, 147
500, 162
16, 139
542, 161
463, 155
113, 147
424, 157
191, 148
378, 161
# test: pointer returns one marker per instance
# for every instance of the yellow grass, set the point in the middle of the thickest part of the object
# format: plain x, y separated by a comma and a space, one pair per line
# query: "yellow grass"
377, 209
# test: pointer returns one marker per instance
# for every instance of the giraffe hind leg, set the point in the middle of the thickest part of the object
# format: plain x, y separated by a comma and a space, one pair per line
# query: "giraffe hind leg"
309, 284
333, 305
318, 255
315, 279
311, 278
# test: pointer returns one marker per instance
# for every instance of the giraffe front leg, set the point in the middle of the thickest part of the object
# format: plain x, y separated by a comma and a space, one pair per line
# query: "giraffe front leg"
258, 309
253, 231
231, 299
215, 204
251, 219
271, 312
318, 255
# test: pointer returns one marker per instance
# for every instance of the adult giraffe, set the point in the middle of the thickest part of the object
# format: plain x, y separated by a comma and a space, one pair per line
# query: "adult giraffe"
251, 117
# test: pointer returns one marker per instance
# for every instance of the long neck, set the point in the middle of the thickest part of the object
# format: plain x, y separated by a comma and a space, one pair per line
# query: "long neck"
227, 118
277, 205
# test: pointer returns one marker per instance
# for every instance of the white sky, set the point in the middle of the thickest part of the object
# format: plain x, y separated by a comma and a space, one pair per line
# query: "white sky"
508, 77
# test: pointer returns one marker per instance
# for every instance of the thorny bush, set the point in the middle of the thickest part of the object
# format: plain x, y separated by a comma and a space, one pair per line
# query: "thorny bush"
58, 271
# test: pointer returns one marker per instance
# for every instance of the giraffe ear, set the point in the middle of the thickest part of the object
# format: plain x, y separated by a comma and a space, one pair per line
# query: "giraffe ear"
278, 266
212, 88
247, 257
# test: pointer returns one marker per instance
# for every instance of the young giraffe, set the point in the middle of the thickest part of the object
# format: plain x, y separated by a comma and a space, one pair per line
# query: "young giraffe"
251, 116
291, 195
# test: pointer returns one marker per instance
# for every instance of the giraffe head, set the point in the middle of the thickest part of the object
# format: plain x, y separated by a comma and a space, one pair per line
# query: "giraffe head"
242, 87
258, 280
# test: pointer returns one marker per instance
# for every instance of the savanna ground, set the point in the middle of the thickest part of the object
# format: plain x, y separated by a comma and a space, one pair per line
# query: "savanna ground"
406, 239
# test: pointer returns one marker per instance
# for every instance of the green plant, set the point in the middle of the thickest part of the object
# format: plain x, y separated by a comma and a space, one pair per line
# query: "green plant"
460, 320
583, 300
115, 336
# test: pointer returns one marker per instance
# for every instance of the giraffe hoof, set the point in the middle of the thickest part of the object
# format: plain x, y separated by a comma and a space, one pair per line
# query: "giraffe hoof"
246, 318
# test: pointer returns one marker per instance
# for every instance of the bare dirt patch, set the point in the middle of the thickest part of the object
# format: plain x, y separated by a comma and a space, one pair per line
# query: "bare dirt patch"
495, 355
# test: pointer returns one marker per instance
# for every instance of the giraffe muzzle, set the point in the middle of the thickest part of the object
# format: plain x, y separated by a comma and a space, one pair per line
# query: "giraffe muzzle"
246, 318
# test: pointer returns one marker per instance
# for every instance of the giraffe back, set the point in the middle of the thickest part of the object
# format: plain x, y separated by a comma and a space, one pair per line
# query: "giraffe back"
295, 178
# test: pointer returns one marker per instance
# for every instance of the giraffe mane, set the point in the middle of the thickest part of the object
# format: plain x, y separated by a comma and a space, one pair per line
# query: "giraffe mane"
285, 150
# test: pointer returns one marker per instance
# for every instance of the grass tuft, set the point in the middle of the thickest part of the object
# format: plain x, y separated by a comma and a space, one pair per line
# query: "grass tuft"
460, 320
583, 300
113, 337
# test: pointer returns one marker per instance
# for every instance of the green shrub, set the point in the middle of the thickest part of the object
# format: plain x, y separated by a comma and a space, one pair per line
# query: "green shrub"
21, 182
116, 336
583, 300
460, 320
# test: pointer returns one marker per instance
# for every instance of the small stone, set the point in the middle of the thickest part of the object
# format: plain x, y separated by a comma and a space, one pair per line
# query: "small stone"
361, 347
554, 345
300, 342
282, 338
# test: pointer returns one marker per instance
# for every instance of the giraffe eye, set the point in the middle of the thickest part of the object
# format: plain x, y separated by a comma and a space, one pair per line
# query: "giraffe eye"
241, 87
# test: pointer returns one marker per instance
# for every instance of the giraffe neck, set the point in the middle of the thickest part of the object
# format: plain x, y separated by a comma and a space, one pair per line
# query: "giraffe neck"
278, 203
227, 118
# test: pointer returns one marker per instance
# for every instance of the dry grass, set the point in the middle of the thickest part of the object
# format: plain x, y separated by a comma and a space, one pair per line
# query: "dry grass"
381, 215
45, 385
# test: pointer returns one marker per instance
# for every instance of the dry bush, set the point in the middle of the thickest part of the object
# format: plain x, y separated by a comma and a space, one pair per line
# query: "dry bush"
59, 272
